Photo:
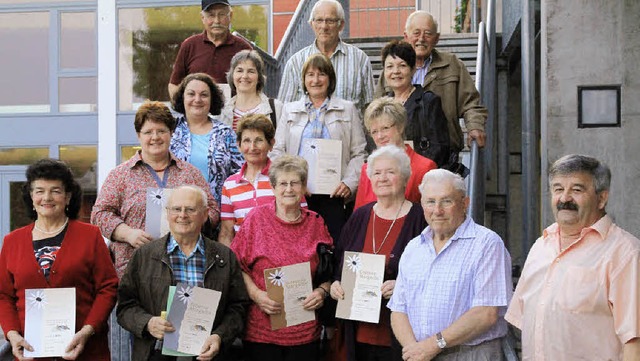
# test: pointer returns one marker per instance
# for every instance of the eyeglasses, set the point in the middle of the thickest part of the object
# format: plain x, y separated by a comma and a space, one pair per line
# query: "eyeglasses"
382, 130
159, 132
292, 184
187, 210
443, 203
329, 21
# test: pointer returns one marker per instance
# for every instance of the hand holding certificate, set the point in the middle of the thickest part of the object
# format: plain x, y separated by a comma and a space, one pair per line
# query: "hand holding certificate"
362, 276
50, 321
290, 286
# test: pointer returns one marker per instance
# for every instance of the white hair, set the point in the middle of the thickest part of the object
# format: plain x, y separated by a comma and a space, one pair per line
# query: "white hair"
422, 13
192, 188
440, 176
395, 153
336, 4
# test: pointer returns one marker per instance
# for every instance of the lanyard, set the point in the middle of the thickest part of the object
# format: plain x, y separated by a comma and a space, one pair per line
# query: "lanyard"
161, 183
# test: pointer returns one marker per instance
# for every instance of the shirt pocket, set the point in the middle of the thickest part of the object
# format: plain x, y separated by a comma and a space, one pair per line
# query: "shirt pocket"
446, 80
580, 290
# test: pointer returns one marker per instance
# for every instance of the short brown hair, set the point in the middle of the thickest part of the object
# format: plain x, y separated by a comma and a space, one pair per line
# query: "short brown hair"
217, 99
259, 122
242, 56
322, 63
156, 112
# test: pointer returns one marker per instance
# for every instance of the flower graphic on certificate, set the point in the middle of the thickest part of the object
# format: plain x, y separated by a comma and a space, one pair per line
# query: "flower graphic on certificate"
324, 157
277, 277
353, 262
36, 298
156, 196
156, 223
184, 294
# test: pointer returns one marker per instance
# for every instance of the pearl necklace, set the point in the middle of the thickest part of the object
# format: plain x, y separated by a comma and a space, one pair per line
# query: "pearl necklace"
35, 225
373, 226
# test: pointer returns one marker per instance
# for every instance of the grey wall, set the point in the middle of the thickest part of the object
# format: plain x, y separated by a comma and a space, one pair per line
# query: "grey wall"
592, 43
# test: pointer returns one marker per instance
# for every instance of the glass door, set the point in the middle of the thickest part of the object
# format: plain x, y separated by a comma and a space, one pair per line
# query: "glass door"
13, 213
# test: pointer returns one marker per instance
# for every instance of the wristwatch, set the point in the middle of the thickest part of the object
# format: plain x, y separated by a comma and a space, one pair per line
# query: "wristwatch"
441, 341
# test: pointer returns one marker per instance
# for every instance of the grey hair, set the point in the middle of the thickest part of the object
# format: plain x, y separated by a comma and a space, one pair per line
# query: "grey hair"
420, 12
443, 175
386, 106
200, 191
255, 58
576, 163
337, 5
398, 155
288, 163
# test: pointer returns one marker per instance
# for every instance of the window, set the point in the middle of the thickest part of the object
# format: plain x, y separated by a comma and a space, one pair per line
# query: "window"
82, 159
22, 156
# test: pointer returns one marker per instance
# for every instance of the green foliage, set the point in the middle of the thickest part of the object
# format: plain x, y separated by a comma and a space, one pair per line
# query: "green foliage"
461, 13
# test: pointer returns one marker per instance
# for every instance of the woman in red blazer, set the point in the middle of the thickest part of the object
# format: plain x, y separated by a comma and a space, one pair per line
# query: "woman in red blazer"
57, 251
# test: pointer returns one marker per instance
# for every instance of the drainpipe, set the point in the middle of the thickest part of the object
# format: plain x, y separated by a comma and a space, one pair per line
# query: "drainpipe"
346, 31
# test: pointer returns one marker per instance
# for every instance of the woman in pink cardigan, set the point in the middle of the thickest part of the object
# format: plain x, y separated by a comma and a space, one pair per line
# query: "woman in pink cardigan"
57, 251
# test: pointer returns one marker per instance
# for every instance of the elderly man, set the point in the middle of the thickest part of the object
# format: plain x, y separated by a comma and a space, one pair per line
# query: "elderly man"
579, 294
445, 75
352, 66
454, 281
182, 255
211, 51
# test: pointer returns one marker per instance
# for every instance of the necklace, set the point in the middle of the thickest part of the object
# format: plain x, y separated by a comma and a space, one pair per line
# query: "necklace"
286, 219
35, 225
373, 231
405, 98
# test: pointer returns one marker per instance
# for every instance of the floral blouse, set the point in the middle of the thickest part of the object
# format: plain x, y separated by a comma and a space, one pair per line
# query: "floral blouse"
224, 157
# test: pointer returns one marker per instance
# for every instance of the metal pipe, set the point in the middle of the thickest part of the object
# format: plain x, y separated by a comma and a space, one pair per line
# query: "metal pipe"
530, 176
474, 16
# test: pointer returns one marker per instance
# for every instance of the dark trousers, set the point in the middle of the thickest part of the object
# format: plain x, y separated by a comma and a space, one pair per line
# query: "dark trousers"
254, 351
331, 210
366, 352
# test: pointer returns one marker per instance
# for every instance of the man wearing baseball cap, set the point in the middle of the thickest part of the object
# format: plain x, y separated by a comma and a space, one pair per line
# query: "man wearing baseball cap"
211, 51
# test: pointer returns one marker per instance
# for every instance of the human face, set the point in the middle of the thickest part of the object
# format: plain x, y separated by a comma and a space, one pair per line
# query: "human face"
197, 99
444, 209
186, 214
154, 138
216, 20
254, 146
574, 200
49, 198
245, 77
289, 190
326, 25
422, 35
385, 131
317, 83
386, 178
397, 73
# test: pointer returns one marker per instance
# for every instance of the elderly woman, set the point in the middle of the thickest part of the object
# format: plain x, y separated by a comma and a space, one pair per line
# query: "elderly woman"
57, 251
201, 139
273, 235
385, 120
383, 227
120, 208
246, 78
427, 126
321, 115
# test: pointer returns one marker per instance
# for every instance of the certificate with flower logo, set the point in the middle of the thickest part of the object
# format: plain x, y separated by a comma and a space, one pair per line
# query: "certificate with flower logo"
290, 286
362, 277
324, 157
50, 320
192, 312
156, 223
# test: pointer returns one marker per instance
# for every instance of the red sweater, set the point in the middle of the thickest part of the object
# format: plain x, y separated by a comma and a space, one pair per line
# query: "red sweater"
82, 262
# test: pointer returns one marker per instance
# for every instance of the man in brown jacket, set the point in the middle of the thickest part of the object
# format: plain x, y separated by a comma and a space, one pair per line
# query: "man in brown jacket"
445, 75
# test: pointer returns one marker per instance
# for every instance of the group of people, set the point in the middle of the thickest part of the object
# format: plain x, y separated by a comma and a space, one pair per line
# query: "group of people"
239, 204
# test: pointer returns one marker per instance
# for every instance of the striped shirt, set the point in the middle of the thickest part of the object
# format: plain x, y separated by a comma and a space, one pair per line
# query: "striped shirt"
354, 77
187, 269
472, 269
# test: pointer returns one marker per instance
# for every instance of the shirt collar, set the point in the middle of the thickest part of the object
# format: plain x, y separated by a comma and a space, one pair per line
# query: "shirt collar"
426, 62
173, 244
137, 160
340, 48
465, 230
264, 171
601, 226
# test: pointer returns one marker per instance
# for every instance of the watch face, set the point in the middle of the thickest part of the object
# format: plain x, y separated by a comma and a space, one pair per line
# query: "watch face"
441, 342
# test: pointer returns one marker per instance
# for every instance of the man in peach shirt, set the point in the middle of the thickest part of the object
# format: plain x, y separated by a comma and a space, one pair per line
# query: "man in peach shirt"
579, 294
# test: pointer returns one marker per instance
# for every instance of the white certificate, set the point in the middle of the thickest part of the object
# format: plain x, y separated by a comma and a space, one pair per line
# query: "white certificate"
290, 286
324, 157
50, 320
362, 277
156, 223
192, 312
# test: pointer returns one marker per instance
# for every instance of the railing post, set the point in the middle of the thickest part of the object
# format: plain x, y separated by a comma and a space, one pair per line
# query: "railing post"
476, 185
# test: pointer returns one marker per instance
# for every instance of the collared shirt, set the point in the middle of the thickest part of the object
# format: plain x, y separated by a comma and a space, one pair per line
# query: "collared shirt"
223, 155
122, 199
472, 269
187, 269
354, 77
197, 54
421, 71
582, 303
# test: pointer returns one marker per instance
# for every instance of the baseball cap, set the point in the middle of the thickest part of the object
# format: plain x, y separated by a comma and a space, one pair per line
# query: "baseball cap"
207, 3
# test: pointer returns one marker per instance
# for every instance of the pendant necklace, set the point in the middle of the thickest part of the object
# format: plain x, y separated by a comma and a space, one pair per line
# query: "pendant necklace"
373, 231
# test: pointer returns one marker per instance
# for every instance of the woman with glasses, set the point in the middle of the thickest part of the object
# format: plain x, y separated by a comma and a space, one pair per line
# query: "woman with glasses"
382, 227
386, 119
200, 138
273, 235
120, 208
